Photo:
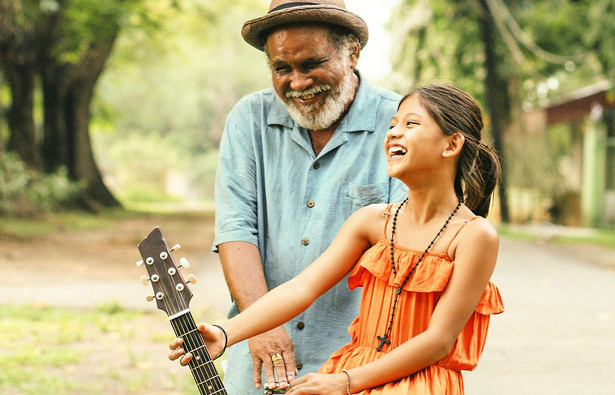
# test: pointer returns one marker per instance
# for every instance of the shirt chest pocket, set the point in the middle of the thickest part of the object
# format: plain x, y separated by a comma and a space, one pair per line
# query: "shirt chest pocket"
364, 195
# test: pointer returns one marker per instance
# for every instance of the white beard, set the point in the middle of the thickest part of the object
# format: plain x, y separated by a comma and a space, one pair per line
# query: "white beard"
311, 117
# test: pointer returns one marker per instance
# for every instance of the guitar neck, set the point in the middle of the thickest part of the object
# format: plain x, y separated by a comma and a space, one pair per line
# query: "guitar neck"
201, 365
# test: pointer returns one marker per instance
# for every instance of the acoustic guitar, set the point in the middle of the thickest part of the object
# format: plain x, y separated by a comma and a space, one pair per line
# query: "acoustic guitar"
173, 296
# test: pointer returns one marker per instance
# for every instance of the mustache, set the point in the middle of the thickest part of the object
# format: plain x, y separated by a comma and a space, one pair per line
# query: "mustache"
314, 90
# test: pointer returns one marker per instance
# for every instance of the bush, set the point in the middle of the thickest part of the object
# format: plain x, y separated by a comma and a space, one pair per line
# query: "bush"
25, 192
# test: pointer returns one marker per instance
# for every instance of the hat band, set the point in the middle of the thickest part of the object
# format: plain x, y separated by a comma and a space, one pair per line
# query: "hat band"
289, 5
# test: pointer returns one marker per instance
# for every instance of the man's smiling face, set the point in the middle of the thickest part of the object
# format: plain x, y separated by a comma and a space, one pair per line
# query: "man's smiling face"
311, 76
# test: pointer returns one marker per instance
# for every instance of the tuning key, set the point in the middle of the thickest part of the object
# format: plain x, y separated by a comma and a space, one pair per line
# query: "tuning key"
175, 247
149, 298
192, 279
183, 262
139, 263
144, 280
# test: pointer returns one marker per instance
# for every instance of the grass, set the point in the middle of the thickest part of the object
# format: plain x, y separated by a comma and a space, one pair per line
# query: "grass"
104, 350
599, 237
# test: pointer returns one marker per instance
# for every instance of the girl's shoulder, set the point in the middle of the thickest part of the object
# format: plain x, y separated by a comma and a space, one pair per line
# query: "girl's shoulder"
474, 232
372, 220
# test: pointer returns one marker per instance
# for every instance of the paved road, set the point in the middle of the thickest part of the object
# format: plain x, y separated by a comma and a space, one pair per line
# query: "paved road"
557, 335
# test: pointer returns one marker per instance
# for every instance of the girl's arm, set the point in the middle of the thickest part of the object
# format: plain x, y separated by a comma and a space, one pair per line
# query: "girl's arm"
291, 298
475, 258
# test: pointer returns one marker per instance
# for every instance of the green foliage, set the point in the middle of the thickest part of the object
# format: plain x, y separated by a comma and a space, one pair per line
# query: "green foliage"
24, 192
164, 97
547, 47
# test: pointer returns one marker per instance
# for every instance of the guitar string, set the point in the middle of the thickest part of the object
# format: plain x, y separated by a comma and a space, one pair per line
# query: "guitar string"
186, 327
208, 365
190, 330
181, 330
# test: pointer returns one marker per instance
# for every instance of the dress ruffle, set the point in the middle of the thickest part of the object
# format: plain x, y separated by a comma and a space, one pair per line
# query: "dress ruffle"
419, 298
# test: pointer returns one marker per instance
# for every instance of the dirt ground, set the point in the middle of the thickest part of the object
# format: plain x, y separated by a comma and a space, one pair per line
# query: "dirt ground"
82, 269
96, 254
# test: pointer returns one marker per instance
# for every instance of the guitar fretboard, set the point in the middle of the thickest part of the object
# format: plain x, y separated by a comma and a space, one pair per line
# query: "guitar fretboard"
202, 367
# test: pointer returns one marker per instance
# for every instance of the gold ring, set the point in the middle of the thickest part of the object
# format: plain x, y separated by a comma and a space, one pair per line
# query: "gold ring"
276, 357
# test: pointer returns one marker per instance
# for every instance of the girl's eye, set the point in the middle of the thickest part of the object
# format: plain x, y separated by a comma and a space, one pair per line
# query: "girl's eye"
411, 123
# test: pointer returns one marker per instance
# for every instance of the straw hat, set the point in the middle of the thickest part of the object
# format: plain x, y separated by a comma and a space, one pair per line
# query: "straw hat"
283, 12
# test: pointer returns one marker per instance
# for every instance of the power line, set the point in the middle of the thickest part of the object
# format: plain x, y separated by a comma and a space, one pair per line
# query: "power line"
500, 8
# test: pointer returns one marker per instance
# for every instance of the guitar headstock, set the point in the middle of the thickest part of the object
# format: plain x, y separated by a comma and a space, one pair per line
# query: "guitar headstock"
171, 291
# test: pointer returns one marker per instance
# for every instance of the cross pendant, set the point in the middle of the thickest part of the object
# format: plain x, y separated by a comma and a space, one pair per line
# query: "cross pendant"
383, 340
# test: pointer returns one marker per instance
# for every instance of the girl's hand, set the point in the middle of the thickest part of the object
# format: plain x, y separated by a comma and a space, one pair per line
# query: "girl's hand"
212, 336
317, 384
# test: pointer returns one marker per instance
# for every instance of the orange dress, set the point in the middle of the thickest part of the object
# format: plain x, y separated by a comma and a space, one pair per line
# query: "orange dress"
415, 307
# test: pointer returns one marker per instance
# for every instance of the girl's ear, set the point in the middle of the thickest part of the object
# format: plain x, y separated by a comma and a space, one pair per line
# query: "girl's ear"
455, 143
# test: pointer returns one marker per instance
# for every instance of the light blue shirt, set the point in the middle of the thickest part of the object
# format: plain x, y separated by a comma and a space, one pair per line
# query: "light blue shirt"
274, 192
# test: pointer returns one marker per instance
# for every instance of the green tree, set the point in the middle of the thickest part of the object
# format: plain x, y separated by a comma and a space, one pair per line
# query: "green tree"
57, 49
508, 56
167, 94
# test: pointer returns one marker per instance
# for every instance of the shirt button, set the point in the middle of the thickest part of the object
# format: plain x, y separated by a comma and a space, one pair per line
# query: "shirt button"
305, 241
311, 204
316, 165
299, 366
300, 325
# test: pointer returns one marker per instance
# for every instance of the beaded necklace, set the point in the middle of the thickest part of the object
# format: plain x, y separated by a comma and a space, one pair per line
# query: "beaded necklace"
385, 339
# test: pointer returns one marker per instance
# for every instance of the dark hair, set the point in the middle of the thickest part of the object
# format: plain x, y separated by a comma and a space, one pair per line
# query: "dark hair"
478, 169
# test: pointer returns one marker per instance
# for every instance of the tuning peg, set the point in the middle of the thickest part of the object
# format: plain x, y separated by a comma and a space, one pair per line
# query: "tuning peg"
176, 247
183, 262
139, 263
192, 279
144, 280
149, 298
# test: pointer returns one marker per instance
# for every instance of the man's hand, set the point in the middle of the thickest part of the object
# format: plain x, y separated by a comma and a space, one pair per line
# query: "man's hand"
274, 350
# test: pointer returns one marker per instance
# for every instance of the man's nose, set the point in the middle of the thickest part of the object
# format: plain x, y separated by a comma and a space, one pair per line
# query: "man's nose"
300, 80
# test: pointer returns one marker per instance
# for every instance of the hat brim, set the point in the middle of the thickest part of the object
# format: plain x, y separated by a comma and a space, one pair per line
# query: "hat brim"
254, 30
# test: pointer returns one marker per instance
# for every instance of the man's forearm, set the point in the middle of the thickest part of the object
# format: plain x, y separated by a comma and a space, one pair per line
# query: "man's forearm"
243, 271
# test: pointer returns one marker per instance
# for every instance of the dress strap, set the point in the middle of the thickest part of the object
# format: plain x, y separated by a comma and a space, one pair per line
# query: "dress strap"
386, 214
463, 225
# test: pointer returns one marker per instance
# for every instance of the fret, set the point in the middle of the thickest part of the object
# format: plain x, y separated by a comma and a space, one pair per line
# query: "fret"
208, 364
201, 365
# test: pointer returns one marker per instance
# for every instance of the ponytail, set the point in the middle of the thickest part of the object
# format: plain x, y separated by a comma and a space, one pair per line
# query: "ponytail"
480, 183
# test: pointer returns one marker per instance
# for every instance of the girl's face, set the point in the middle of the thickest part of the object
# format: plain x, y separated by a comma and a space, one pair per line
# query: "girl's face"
414, 143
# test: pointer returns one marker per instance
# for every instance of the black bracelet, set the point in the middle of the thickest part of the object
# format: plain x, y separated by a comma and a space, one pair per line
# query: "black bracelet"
225, 340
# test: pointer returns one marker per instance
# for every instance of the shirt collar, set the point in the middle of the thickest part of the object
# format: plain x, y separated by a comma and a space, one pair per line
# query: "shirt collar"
361, 116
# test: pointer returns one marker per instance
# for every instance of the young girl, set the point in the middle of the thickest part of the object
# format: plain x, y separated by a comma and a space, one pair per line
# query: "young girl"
424, 264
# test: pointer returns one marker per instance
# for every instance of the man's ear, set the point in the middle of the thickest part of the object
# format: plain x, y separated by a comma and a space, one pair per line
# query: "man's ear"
455, 144
354, 56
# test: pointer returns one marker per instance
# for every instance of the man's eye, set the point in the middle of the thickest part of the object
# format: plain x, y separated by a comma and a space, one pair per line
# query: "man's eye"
282, 70
312, 65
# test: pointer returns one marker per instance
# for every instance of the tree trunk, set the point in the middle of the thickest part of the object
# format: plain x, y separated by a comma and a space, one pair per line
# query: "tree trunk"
67, 93
494, 89
55, 149
22, 139
2, 113
77, 105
